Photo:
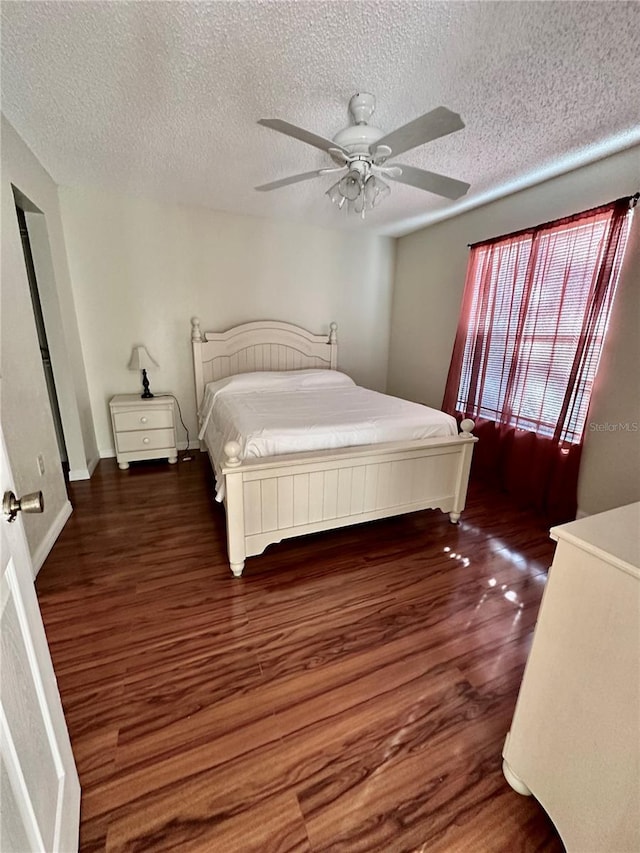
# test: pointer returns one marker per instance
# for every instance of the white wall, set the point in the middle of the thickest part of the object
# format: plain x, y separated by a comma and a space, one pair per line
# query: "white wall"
610, 469
429, 281
26, 414
140, 270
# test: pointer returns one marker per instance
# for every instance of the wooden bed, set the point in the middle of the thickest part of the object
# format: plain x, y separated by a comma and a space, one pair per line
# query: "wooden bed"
274, 498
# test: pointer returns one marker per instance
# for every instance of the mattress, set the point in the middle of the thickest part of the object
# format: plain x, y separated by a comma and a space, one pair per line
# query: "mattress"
272, 413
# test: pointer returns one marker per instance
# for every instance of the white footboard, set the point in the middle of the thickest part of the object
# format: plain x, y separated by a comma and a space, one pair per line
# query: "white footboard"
268, 500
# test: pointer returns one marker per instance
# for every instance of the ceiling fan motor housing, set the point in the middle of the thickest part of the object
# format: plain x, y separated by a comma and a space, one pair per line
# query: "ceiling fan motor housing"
357, 138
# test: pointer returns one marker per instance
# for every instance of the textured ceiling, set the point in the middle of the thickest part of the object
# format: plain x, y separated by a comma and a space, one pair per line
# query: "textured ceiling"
161, 99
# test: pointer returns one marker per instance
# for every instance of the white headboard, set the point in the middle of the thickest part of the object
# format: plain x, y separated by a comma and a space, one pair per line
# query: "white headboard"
263, 345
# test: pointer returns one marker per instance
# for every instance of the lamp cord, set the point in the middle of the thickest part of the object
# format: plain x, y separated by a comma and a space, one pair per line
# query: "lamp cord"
186, 457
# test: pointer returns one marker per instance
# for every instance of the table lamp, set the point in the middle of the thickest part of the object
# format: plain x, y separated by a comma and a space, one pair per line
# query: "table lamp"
141, 360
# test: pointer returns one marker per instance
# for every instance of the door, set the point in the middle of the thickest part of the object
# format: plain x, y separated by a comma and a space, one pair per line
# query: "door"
40, 792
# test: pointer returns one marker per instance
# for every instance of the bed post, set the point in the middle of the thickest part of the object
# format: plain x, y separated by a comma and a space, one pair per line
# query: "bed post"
466, 427
197, 339
333, 343
234, 499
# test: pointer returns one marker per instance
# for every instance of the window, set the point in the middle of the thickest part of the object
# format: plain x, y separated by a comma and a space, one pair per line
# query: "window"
535, 313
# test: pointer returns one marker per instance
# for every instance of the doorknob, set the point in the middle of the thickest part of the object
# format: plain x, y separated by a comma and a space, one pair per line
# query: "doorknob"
11, 505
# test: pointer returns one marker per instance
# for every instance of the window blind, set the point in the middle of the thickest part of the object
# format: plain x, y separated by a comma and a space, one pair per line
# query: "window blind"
538, 312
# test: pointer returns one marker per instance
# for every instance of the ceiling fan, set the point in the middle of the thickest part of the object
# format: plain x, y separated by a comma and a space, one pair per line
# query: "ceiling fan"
363, 151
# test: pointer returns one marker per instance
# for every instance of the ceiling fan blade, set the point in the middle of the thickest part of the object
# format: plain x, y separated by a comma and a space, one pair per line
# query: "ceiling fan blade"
292, 179
438, 122
338, 156
388, 171
430, 181
380, 154
301, 134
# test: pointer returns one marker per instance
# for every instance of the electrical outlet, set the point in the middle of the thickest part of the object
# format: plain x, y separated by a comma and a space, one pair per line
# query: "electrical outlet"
41, 464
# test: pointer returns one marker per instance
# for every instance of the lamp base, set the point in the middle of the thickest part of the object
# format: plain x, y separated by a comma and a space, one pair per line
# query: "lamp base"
145, 384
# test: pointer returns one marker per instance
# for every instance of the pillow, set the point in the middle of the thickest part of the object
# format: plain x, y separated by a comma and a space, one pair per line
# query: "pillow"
268, 380
279, 380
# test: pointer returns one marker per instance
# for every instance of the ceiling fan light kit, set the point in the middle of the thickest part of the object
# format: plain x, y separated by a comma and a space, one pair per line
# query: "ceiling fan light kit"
359, 189
363, 150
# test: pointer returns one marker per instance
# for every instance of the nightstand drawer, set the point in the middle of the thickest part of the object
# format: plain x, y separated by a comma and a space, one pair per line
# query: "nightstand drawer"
153, 439
156, 419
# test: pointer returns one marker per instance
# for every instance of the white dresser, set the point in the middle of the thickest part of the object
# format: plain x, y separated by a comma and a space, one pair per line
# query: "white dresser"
143, 428
574, 741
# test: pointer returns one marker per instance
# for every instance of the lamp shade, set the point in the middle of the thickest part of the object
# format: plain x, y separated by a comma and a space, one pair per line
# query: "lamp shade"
350, 186
141, 360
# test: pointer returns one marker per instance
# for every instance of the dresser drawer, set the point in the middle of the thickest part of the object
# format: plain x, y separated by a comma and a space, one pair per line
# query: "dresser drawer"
152, 419
152, 439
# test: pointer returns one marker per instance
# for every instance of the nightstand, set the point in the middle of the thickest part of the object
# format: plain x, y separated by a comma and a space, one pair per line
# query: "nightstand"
143, 428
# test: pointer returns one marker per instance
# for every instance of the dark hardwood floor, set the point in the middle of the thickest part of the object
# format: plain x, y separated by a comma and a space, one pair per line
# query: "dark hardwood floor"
351, 692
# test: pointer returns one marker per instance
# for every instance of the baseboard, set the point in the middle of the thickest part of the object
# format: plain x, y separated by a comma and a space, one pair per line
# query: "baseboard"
79, 474
109, 453
84, 473
42, 552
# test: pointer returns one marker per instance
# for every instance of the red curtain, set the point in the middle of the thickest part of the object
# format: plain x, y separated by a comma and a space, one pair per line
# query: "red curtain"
534, 314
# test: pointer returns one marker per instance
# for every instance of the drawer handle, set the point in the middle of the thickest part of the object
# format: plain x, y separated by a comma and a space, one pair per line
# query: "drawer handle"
143, 420
145, 440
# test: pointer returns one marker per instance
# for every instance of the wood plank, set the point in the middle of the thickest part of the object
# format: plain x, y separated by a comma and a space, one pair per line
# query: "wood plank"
357, 489
269, 503
316, 495
351, 692
345, 481
252, 507
285, 501
301, 499
330, 496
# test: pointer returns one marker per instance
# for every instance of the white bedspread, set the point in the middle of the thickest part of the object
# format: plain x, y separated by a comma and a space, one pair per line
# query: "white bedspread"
269, 414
